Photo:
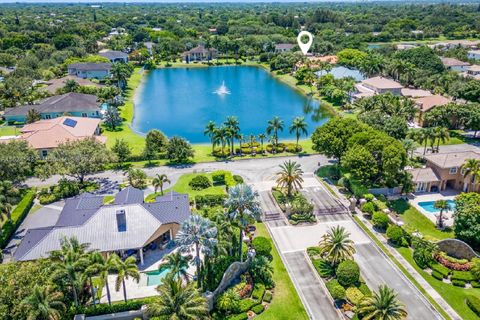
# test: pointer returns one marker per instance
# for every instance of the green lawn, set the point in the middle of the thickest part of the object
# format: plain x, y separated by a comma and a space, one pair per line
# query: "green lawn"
286, 303
9, 131
416, 221
455, 296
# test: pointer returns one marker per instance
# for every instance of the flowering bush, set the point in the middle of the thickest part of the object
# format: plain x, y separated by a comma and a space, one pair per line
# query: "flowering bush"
452, 263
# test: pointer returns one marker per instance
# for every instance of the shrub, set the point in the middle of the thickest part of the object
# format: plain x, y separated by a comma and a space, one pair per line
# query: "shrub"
458, 283
444, 271
18, 214
258, 292
228, 302
473, 303
324, 268
100, 309
200, 182
262, 246
475, 284
335, 289
365, 289
210, 200
238, 179
380, 220
396, 235
453, 263
462, 275
348, 273
241, 316
313, 251
368, 207
258, 309
246, 304
224, 177
354, 295
267, 297
437, 275
369, 197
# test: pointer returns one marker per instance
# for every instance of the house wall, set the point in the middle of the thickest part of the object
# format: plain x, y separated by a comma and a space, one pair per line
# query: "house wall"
397, 92
164, 228
91, 74
52, 115
458, 68
475, 56
454, 180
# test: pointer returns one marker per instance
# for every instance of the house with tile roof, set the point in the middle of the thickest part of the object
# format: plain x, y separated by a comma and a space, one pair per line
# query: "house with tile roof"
425, 104
53, 85
454, 64
90, 70
199, 54
126, 227
72, 103
114, 56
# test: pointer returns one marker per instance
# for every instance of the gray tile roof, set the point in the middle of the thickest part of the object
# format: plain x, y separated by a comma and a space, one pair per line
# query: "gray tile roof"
129, 195
79, 209
112, 54
170, 208
31, 238
67, 102
90, 66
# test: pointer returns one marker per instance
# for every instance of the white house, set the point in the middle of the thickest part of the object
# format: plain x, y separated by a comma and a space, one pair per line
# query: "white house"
454, 64
474, 54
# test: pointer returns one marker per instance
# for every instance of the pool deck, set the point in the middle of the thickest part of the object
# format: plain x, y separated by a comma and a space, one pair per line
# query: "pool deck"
434, 196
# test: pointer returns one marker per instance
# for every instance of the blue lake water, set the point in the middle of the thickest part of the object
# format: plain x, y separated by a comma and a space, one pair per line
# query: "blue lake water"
181, 101
429, 206
340, 72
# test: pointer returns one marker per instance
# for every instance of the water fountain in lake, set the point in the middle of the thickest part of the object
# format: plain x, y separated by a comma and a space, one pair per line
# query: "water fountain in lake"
222, 90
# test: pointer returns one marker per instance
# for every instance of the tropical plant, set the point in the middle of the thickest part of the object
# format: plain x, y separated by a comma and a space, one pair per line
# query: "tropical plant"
210, 130
112, 118
290, 177
233, 127
274, 125
177, 302
221, 136
442, 205
120, 72
243, 207
442, 135
122, 150
102, 267
137, 178
125, 269
383, 305
159, 181
336, 246
32, 116
262, 137
176, 264
200, 233
44, 304
299, 126
252, 139
472, 168
179, 149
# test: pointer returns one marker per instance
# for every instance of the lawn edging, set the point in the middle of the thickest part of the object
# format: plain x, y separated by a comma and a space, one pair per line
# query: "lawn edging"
404, 271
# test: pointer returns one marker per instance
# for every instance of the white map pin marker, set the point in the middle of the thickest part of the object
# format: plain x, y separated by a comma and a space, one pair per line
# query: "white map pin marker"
305, 46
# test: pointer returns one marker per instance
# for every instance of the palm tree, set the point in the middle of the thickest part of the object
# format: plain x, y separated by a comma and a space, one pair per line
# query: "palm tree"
252, 139
159, 181
102, 268
200, 233
299, 126
120, 72
472, 168
44, 304
6, 209
242, 207
209, 131
176, 302
336, 245
274, 125
234, 127
442, 205
125, 270
290, 176
262, 137
221, 137
383, 305
176, 264
32, 116
442, 134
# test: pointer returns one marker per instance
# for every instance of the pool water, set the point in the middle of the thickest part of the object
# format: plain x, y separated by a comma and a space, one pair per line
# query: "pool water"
154, 278
429, 206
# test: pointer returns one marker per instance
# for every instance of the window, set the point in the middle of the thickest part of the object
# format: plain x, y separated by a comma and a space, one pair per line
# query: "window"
47, 116
84, 114
462, 172
453, 170
44, 153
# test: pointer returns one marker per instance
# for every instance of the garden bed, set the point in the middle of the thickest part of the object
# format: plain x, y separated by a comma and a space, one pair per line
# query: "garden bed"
297, 207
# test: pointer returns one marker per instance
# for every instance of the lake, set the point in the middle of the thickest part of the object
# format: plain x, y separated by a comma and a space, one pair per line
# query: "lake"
181, 101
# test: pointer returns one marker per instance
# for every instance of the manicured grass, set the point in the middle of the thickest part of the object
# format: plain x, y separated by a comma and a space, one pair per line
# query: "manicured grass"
286, 303
9, 131
108, 199
455, 296
401, 267
416, 221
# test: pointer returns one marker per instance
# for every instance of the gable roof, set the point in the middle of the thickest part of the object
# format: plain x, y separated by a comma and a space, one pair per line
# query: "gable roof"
90, 66
200, 49
450, 160
415, 93
382, 83
452, 62
424, 175
113, 54
430, 102
129, 195
68, 102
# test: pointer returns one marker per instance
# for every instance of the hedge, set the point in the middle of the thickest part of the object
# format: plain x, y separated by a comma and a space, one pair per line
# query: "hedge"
241, 316
258, 292
262, 246
380, 220
224, 177
365, 289
444, 271
246, 304
354, 295
458, 283
335, 289
473, 303
258, 309
100, 309
210, 200
475, 284
462, 275
200, 182
267, 297
437, 275
18, 214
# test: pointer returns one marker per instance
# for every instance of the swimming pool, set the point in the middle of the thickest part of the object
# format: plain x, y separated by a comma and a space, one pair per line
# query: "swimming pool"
154, 278
429, 206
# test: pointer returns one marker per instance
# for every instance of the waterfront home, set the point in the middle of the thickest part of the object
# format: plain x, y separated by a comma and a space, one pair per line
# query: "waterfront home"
90, 70
444, 170
72, 103
474, 54
46, 135
425, 104
284, 47
129, 226
405, 46
415, 93
376, 85
473, 71
199, 54
454, 64
114, 56
52, 86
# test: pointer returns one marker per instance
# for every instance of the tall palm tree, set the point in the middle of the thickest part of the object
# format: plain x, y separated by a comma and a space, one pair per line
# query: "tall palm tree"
299, 126
383, 305
121, 72
336, 245
234, 127
442, 134
209, 131
177, 302
252, 139
274, 125
176, 264
243, 207
44, 304
262, 137
102, 267
32, 116
159, 181
201, 234
290, 176
221, 137
442, 205
472, 168
125, 270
